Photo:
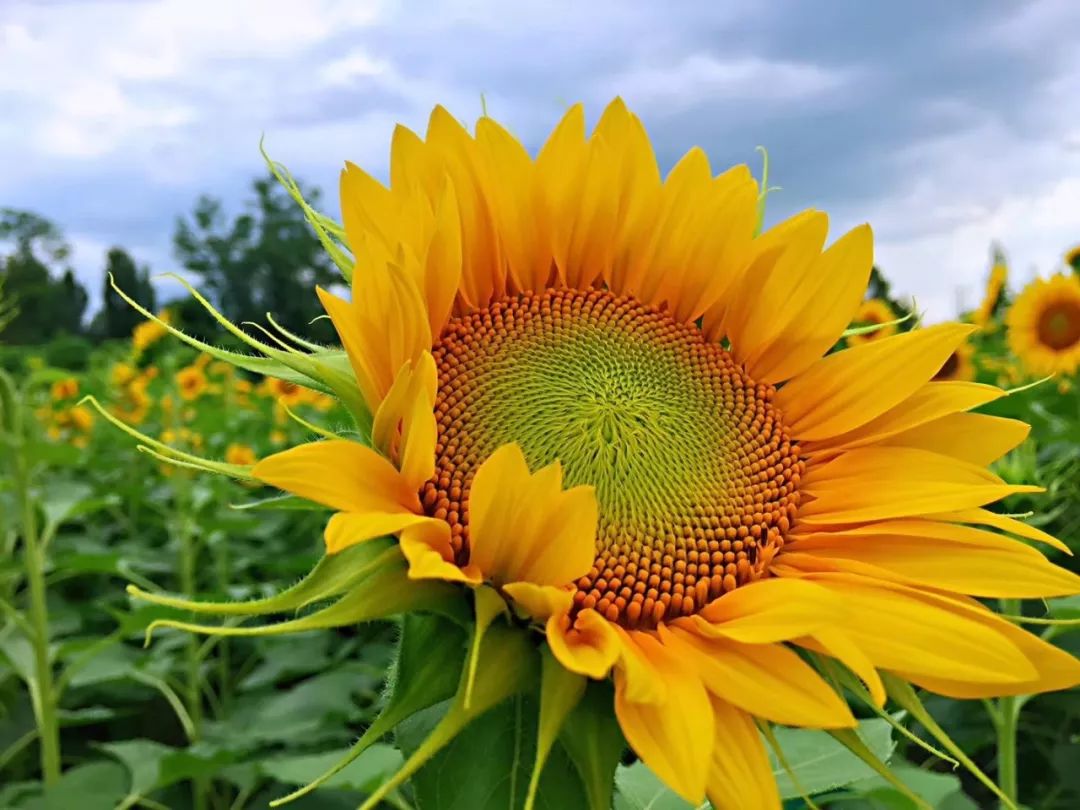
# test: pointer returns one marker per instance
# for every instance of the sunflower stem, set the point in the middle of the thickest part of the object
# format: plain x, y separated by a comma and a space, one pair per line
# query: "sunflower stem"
1006, 719
43, 693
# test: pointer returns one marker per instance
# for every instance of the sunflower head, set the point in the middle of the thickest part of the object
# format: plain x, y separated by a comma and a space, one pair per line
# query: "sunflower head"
191, 382
598, 410
993, 298
67, 388
1044, 325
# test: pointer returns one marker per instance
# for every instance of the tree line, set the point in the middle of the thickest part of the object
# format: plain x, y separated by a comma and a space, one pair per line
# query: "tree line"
262, 259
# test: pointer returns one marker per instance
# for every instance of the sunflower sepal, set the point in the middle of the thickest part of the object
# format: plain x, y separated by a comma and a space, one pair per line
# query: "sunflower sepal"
592, 739
426, 671
332, 575
560, 691
507, 667
855, 744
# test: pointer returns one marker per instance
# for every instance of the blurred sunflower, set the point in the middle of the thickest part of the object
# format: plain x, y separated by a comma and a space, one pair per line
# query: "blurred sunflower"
191, 381
239, 454
1072, 258
993, 297
150, 332
67, 388
283, 392
556, 421
959, 366
1044, 325
874, 312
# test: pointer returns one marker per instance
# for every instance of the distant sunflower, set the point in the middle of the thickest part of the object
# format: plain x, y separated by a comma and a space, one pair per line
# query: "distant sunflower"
1072, 258
875, 312
1044, 325
992, 298
555, 416
959, 366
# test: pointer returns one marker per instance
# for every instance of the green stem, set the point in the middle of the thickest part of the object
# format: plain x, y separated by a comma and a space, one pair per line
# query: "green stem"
193, 657
1005, 724
45, 697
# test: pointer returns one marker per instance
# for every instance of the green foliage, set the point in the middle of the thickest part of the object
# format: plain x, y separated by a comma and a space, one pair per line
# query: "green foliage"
116, 318
266, 260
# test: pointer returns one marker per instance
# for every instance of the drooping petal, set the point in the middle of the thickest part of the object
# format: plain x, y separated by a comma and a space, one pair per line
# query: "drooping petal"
348, 528
524, 527
587, 644
903, 629
834, 643
673, 737
343, 475
769, 610
766, 680
847, 389
426, 546
741, 776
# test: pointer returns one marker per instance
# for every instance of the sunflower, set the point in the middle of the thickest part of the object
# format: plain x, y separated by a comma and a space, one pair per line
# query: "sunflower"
192, 382
67, 388
1044, 325
602, 396
993, 297
239, 454
1072, 258
959, 366
150, 332
873, 312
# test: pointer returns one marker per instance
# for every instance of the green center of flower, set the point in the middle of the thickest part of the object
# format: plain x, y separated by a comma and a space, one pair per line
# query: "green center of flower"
695, 474
1059, 325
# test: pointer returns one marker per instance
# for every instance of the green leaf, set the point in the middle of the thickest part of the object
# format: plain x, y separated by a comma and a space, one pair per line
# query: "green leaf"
821, 763
152, 766
939, 790
94, 786
487, 765
641, 789
62, 499
594, 742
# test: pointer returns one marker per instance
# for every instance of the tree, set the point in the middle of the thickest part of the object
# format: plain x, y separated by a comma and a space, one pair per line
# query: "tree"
117, 317
266, 260
47, 306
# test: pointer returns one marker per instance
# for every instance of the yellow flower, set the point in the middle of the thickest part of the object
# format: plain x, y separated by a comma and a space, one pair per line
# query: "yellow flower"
67, 388
278, 437
149, 332
122, 373
959, 366
81, 418
240, 454
872, 312
995, 286
1072, 258
192, 382
284, 392
220, 368
242, 386
1044, 325
555, 415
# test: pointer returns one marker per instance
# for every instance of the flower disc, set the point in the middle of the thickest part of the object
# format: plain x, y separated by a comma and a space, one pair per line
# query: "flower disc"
695, 473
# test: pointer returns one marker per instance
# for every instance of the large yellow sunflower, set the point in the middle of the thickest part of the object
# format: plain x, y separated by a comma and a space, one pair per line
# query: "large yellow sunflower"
600, 392
1044, 325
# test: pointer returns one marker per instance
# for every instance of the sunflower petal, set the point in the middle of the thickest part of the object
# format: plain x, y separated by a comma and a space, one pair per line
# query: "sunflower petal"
984, 517
343, 475
974, 437
845, 390
769, 610
673, 737
767, 680
588, 645
741, 775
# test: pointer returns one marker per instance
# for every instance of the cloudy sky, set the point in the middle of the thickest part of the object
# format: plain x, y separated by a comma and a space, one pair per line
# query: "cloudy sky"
945, 125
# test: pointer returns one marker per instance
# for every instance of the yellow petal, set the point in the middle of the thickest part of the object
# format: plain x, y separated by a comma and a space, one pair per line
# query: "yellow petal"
945, 557
483, 272
876, 483
933, 401
903, 629
442, 263
343, 475
349, 528
1054, 668
767, 680
769, 610
588, 646
974, 437
741, 775
673, 738
539, 601
845, 390
426, 546
419, 430
524, 528
984, 517
834, 643
805, 305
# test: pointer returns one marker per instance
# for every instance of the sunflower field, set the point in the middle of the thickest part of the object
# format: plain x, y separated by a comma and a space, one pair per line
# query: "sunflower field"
585, 504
